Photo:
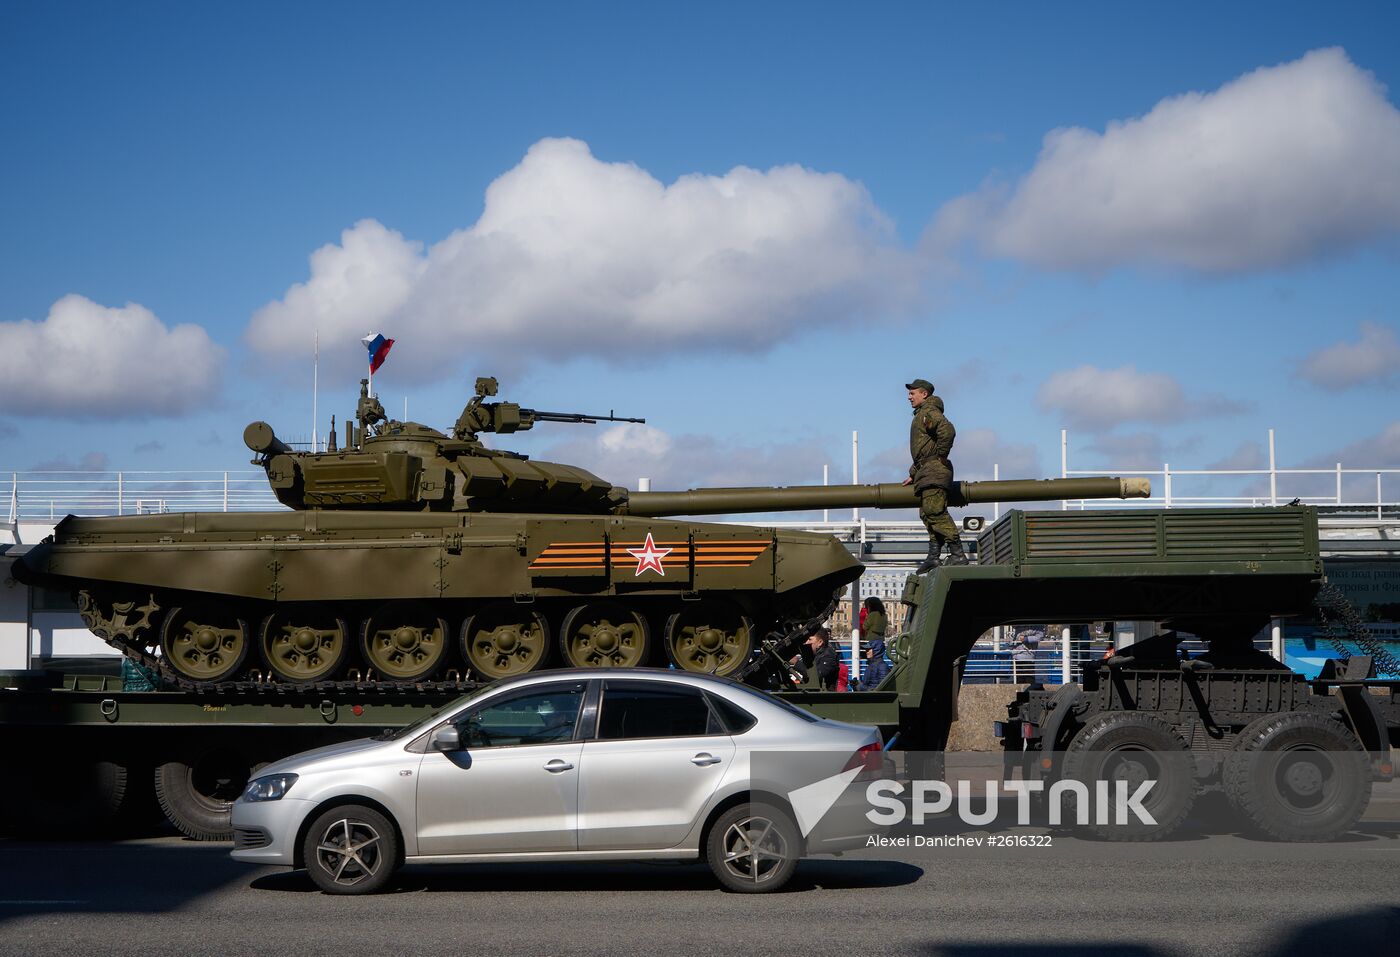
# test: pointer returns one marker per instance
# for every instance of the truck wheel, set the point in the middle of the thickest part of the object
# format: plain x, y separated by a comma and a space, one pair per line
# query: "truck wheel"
74, 797
197, 795
351, 850
753, 848
1298, 777
1132, 747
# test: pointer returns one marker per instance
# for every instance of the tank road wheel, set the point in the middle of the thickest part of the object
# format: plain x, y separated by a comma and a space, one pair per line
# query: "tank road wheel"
304, 645
712, 636
603, 635
1298, 776
505, 639
404, 641
205, 642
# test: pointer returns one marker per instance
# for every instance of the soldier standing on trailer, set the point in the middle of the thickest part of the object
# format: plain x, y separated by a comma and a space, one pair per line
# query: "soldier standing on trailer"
931, 438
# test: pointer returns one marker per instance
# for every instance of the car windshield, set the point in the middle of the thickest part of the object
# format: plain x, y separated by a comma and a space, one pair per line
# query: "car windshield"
422, 724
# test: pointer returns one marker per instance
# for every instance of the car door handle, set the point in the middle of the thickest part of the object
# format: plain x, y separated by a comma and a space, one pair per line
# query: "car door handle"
557, 765
704, 758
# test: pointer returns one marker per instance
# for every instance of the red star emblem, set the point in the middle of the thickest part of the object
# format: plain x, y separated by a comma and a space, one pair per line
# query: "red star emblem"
649, 556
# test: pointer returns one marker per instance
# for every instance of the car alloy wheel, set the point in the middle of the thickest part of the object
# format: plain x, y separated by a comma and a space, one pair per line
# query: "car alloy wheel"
753, 848
351, 850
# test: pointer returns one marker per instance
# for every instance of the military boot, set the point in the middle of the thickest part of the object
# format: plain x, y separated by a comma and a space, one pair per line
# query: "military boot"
956, 555
931, 562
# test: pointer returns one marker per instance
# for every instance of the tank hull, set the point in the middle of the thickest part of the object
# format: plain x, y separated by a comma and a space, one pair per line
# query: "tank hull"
261, 569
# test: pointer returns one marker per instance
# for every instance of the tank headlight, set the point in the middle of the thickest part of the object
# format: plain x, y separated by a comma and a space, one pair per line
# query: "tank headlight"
271, 787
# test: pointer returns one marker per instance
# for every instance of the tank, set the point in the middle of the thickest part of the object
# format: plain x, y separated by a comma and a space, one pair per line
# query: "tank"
409, 556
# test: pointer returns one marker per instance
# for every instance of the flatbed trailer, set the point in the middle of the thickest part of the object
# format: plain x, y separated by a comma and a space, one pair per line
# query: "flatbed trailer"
91, 751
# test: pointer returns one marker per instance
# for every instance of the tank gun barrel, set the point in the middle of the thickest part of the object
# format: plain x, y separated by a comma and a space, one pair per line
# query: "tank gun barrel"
726, 501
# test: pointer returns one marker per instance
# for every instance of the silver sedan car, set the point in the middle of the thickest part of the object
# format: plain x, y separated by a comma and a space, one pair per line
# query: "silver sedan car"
569, 766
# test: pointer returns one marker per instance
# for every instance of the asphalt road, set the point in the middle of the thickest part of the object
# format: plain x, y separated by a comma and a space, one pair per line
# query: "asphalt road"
1205, 893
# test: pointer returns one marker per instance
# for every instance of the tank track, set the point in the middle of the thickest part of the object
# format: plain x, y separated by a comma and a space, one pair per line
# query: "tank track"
125, 636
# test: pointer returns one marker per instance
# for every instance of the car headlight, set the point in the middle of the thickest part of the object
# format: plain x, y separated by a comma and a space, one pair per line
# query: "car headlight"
271, 787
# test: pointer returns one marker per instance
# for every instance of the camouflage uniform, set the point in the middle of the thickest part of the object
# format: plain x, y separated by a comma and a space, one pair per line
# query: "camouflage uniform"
931, 438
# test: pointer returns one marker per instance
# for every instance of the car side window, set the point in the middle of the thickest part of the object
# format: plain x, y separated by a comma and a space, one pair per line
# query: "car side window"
533, 717
635, 709
736, 719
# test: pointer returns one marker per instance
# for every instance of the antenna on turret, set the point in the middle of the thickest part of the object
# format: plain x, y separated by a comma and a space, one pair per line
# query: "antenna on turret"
316, 389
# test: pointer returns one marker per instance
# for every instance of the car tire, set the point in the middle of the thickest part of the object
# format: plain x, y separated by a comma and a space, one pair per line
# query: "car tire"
753, 848
1298, 777
351, 849
1133, 746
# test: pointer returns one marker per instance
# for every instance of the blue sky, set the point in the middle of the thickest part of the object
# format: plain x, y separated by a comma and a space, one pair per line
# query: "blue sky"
750, 223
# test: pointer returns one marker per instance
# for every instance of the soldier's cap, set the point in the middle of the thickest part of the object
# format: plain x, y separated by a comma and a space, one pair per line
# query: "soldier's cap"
924, 384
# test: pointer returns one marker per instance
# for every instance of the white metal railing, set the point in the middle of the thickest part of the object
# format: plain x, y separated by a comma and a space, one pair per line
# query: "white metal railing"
54, 494
1349, 488
1056, 660
39, 495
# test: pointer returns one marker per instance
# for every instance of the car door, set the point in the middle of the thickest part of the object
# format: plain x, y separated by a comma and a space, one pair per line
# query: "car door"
658, 756
514, 784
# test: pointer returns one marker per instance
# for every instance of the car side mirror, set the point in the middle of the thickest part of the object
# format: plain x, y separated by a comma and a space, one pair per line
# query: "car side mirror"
445, 739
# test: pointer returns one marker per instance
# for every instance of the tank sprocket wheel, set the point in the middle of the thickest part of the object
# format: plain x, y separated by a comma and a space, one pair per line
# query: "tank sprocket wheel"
711, 637
404, 641
135, 622
603, 635
304, 644
505, 639
207, 641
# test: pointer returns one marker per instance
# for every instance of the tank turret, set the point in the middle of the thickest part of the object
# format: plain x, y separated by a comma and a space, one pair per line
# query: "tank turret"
405, 466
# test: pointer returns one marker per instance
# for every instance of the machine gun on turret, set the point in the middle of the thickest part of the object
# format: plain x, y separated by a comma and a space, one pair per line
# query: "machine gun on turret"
504, 417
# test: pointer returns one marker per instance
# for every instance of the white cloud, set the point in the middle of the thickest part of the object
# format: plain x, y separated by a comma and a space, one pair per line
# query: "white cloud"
1278, 166
1378, 451
1247, 455
1092, 398
1375, 357
623, 453
1381, 450
87, 360
977, 453
90, 462
573, 256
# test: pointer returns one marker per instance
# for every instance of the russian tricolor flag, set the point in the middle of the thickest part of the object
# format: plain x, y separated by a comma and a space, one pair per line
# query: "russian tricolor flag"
378, 348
